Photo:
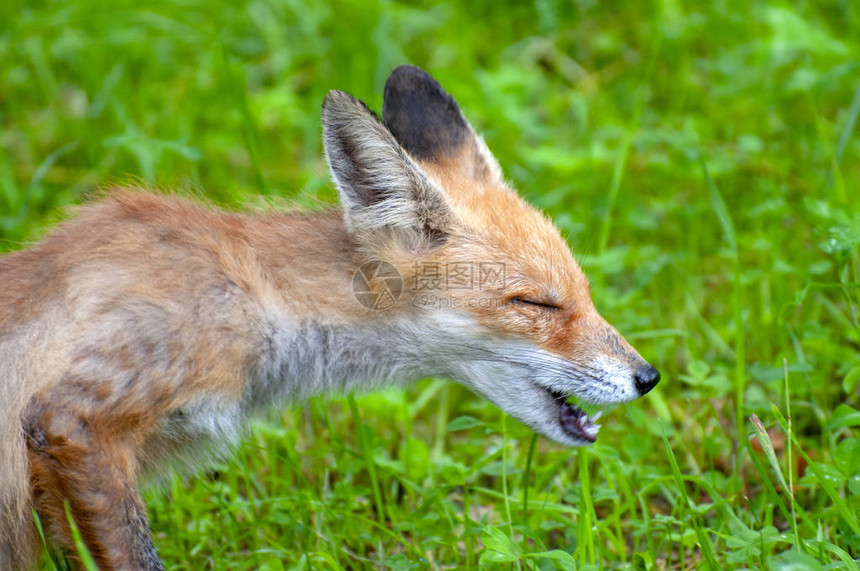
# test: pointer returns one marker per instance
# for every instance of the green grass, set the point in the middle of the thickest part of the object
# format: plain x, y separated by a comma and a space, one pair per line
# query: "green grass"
702, 158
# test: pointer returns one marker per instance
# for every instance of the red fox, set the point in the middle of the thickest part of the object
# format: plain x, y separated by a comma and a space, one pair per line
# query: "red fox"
148, 327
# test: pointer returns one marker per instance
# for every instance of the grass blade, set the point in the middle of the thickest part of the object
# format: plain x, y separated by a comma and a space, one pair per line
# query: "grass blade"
704, 541
845, 513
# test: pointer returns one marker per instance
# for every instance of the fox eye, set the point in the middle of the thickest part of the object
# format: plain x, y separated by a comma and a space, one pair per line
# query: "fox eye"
526, 301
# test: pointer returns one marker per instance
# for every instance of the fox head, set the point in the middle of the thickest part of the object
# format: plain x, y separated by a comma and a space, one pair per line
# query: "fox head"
489, 285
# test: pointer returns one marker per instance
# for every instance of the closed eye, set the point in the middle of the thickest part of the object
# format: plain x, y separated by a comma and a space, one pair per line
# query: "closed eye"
534, 303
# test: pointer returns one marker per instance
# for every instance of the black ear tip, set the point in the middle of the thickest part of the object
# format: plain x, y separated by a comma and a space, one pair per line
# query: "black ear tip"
407, 78
421, 115
407, 71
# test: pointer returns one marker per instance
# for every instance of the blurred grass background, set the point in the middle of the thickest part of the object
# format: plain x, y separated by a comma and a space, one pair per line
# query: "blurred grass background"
701, 157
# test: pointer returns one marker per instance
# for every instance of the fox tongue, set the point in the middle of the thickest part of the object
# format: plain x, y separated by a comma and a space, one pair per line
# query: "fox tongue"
576, 423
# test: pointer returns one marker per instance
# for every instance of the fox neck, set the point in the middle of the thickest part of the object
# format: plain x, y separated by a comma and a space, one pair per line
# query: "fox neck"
317, 336
311, 357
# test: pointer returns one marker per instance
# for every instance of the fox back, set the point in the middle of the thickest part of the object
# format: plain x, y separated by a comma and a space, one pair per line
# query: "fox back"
145, 331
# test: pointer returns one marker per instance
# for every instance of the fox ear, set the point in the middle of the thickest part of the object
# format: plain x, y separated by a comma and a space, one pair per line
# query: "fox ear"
381, 187
430, 126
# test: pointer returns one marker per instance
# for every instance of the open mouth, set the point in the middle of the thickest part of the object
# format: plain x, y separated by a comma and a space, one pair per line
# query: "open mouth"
573, 420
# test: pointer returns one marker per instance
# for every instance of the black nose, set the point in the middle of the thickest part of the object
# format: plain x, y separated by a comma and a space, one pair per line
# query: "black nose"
646, 379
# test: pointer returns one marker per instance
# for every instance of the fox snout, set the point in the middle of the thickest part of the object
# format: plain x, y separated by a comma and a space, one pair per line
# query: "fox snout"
619, 365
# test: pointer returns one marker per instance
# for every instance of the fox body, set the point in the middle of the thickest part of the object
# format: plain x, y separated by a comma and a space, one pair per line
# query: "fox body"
148, 327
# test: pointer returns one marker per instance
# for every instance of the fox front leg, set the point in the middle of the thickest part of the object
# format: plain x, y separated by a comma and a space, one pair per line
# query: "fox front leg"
81, 461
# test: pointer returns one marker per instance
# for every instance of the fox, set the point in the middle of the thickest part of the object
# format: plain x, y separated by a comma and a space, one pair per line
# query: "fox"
149, 327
